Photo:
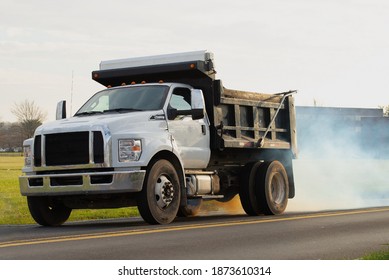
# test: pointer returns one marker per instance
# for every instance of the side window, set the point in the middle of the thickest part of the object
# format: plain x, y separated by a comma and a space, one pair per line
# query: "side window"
180, 99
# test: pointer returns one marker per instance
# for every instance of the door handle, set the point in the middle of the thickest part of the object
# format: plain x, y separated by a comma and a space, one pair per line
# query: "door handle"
203, 129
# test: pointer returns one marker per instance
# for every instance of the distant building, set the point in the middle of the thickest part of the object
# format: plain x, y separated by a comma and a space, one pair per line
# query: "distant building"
330, 132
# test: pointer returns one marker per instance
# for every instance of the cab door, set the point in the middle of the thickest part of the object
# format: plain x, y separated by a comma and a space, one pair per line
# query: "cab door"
190, 137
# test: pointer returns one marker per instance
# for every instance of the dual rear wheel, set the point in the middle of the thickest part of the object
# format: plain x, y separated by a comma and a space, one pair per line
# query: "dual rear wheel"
264, 188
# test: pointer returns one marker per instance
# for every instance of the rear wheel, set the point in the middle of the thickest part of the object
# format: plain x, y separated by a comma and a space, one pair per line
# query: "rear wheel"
247, 192
159, 200
272, 188
48, 212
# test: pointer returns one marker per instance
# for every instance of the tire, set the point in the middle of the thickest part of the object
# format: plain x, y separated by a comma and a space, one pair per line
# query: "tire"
159, 200
247, 192
191, 209
272, 188
48, 212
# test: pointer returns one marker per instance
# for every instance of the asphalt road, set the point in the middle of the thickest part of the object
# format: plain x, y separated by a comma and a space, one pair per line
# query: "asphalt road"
337, 235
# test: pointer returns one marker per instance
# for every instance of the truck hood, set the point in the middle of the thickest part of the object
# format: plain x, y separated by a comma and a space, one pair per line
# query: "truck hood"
109, 123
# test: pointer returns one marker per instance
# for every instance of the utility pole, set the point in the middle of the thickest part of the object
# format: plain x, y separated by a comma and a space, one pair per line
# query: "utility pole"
71, 95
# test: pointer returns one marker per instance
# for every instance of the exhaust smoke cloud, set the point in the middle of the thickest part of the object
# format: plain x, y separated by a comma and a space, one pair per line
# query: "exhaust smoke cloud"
337, 183
343, 159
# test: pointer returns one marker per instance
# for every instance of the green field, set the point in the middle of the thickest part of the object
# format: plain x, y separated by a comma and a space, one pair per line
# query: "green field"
13, 206
383, 255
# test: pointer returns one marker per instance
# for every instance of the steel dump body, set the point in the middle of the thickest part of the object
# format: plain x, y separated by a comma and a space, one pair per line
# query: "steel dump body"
245, 117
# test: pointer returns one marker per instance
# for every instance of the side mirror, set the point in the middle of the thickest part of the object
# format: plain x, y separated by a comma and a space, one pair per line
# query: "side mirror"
197, 101
172, 113
61, 110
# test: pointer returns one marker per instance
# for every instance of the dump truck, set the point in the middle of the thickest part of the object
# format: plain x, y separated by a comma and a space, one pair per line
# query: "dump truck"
163, 135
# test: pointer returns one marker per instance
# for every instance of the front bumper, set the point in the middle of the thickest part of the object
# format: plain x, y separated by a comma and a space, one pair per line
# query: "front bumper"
82, 183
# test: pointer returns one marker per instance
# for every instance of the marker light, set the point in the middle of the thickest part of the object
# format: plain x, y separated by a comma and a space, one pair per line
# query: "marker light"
27, 156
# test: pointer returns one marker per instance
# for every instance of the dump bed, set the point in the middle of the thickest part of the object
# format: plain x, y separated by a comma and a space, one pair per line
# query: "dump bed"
238, 119
256, 120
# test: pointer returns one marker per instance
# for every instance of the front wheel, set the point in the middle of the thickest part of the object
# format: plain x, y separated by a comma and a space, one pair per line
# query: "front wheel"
46, 211
159, 200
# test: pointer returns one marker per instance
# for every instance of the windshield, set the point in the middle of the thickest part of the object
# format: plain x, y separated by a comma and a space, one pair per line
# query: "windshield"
125, 99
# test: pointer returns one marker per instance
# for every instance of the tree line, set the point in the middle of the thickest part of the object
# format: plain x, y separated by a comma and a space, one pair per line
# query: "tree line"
29, 116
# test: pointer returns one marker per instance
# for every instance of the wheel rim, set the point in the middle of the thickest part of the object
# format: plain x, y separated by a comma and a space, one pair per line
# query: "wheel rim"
164, 192
277, 190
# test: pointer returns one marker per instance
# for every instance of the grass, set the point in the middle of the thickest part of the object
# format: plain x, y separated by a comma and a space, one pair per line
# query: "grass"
6, 154
382, 255
13, 206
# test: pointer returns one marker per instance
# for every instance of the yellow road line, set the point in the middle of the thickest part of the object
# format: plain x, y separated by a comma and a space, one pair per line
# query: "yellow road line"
90, 236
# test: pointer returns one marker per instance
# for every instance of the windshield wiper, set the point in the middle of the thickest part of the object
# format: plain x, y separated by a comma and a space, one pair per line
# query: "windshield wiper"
121, 110
117, 110
88, 113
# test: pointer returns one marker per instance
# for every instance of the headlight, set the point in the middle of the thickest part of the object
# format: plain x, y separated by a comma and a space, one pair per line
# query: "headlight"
27, 156
130, 150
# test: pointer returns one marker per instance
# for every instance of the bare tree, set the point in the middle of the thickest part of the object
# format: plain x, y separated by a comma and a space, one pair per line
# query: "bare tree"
10, 137
2, 134
29, 116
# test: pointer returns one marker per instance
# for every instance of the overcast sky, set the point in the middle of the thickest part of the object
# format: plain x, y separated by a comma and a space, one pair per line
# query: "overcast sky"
335, 51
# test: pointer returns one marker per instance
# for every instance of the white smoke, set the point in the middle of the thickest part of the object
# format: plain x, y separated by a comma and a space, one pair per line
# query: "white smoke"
340, 184
336, 169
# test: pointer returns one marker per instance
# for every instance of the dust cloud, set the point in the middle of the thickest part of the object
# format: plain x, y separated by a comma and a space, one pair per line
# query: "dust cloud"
232, 207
